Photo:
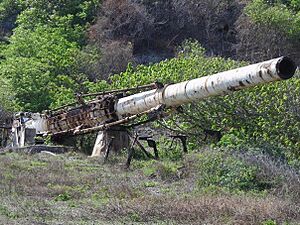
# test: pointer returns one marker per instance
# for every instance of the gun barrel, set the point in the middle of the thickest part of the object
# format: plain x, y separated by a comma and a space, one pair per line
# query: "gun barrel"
218, 84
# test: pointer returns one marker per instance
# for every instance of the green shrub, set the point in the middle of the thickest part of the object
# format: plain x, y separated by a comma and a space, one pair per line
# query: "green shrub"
169, 149
165, 170
63, 197
282, 15
269, 222
223, 170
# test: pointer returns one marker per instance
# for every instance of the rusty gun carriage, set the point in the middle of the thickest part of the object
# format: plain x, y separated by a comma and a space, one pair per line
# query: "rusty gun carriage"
110, 112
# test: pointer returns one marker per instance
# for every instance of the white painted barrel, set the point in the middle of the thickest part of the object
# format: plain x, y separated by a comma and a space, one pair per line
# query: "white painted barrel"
218, 84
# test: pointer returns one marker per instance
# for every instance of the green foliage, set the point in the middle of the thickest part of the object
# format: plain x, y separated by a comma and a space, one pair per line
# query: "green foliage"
220, 169
39, 61
67, 14
96, 87
29, 79
10, 8
165, 170
263, 115
283, 15
187, 66
35, 63
150, 184
47, 44
63, 197
135, 217
233, 138
70, 14
169, 149
53, 12
269, 222
9, 214
295, 5
7, 100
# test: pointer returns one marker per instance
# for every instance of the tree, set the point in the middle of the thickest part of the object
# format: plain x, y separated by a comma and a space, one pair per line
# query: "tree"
34, 62
40, 58
9, 10
283, 15
7, 96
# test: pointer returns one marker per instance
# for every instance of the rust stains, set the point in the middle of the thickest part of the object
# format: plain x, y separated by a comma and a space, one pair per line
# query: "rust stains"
88, 115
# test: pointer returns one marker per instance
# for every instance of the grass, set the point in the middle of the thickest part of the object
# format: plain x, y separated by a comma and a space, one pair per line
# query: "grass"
75, 189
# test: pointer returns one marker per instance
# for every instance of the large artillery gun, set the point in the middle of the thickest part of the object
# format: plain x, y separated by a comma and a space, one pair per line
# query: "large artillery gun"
113, 113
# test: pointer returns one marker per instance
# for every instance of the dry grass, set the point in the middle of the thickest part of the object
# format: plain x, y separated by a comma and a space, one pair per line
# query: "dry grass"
72, 189
284, 179
208, 209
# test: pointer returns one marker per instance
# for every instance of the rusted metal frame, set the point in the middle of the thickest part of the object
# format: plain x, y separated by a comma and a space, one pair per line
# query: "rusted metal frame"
68, 120
143, 87
152, 144
119, 122
71, 131
108, 149
131, 149
89, 116
183, 139
62, 109
120, 90
149, 155
64, 106
135, 140
141, 123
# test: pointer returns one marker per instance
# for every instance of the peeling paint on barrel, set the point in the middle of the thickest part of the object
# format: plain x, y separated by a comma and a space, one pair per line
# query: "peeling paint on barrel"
217, 84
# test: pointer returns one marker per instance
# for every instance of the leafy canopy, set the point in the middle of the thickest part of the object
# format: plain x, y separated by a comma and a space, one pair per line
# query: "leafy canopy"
39, 60
281, 14
34, 63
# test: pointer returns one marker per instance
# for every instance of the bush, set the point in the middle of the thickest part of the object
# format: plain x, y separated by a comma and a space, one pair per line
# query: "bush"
223, 170
274, 173
245, 169
170, 149
164, 170
63, 197
37, 64
283, 15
